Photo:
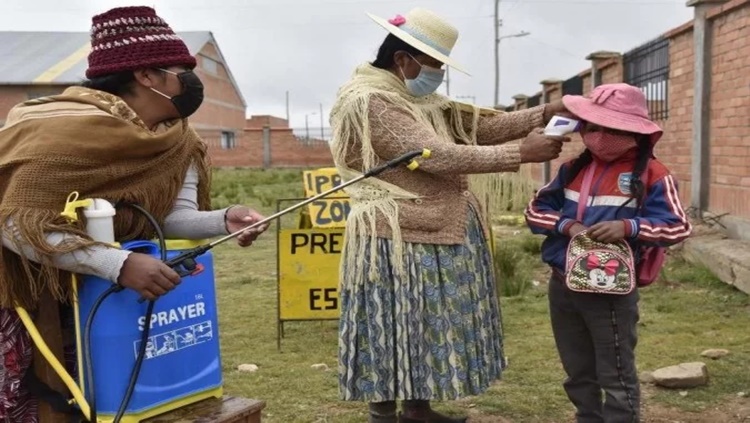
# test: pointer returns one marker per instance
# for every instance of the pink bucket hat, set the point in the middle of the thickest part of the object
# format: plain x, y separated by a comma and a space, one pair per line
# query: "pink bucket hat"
615, 106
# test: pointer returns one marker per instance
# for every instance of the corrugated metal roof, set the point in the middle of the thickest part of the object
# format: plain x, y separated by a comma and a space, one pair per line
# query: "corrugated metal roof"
57, 57
24, 56
28, 58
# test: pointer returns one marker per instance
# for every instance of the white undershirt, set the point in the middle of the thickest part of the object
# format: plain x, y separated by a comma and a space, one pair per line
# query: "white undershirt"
184, 221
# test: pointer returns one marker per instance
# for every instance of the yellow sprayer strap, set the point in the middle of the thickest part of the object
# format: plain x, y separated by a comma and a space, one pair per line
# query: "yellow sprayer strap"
71, 205
53, 361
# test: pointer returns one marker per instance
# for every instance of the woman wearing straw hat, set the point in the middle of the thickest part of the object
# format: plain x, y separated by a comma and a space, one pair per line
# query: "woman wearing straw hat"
420, 319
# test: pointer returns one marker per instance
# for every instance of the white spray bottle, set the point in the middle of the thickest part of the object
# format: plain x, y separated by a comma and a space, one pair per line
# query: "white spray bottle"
559, 126
100, 220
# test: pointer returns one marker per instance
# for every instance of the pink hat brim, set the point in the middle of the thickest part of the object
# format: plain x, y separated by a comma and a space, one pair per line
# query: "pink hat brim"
588, 111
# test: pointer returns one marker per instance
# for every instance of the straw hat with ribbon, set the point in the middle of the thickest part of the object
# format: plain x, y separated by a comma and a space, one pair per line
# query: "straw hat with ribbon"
425, 31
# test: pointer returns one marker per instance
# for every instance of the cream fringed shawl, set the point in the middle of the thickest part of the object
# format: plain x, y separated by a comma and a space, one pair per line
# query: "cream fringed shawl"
352, 143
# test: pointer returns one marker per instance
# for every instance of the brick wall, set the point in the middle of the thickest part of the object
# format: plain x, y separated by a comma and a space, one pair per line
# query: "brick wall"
286, 149
730, 113
729, 109
611, 71
223, 109
258, 122
10, 95
675, 147
248, 151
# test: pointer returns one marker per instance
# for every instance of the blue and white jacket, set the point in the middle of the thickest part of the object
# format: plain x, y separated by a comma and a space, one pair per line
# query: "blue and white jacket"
661, 221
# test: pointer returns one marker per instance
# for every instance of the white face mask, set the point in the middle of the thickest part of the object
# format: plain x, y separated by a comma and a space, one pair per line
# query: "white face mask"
426, 83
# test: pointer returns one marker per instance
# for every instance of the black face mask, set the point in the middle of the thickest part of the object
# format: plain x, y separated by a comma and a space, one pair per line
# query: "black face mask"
191, 97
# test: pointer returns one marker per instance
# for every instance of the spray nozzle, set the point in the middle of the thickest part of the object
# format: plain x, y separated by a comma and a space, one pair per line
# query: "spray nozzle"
72, 204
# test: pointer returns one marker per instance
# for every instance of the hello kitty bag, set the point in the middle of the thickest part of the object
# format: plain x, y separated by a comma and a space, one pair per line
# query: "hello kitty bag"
597, 267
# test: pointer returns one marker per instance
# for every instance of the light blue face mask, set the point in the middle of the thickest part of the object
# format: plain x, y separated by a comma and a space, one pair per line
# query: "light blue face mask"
426, 83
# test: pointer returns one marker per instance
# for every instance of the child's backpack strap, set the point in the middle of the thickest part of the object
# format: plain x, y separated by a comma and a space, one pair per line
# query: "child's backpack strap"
583, 196
651, 259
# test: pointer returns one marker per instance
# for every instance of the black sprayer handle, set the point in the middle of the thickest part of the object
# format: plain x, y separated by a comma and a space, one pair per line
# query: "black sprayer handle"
408, 157
184, 264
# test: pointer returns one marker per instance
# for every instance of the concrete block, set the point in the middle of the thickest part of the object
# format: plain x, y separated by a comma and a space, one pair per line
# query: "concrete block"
728, 259
737, 228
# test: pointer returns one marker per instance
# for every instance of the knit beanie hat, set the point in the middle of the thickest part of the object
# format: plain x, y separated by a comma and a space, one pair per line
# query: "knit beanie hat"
130, 38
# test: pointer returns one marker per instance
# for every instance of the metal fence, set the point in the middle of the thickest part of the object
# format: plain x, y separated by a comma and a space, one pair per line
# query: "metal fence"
647, 67
534, 101
573, 86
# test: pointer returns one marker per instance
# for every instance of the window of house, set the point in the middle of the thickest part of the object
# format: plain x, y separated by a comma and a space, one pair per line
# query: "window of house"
210, 65
227, 140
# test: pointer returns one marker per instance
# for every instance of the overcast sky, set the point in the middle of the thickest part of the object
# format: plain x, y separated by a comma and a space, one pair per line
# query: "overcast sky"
310, 47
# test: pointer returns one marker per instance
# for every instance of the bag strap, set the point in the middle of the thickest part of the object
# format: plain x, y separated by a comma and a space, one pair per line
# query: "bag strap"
55, 399
646, 185
583, 197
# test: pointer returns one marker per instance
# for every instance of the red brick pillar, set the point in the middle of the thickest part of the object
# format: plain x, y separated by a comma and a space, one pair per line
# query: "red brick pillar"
606, 67
701, 152
520, 101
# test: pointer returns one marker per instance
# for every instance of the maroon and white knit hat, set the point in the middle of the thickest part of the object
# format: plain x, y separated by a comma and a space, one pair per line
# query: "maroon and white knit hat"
129, 38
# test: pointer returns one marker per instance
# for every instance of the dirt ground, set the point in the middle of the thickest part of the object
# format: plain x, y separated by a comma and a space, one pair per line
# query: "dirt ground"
735, 410
731, 412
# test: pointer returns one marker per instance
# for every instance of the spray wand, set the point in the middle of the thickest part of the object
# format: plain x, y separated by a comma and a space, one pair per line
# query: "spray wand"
185, 265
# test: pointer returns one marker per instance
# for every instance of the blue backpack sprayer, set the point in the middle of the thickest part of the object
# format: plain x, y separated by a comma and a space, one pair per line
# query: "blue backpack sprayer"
190, 368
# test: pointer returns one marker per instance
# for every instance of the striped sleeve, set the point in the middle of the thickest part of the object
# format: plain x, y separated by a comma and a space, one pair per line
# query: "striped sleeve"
543, 212
663, 221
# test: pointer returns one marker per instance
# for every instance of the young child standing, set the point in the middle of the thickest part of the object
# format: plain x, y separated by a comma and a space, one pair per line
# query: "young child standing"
617, 198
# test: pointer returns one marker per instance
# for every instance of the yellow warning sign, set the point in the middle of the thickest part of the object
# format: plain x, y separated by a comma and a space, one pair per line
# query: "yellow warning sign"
309, 273
326, 213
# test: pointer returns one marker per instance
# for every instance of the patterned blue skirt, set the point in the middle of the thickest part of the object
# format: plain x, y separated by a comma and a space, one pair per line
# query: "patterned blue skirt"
435, 336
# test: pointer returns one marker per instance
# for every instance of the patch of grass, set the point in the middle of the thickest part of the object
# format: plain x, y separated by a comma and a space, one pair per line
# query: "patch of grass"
681, 316
263, 187
686, 313
509, 220
531, 244
512, 272
516, 258
258, 189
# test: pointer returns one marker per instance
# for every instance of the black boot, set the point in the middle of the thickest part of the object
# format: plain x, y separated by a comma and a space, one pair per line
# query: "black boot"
437, 418
383, 412
426, 413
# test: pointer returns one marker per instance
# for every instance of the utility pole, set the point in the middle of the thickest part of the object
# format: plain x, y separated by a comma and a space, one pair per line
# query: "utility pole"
498, 24
287, 107
322, 134
497, 53
307, 128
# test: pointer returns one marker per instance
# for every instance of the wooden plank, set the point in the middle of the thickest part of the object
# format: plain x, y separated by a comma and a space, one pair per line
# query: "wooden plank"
50, 328
226, 410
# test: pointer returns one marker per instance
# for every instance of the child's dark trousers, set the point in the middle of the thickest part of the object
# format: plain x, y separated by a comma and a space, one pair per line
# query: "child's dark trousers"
596, 338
